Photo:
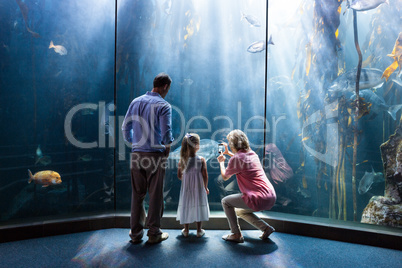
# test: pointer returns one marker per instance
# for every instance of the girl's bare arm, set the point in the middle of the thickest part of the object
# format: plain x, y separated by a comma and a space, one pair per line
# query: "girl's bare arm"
179, 172
204, 172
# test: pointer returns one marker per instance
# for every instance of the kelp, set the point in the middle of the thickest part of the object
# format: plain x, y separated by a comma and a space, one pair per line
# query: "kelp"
359, 67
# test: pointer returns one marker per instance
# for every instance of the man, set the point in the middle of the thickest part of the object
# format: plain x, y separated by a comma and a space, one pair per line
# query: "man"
147, 126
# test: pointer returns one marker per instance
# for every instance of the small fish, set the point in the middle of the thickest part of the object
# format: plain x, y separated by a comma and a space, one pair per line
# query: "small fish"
85, 157
58, 49
108, 190
254, 21
165, 193
365, 161
45, 178
187, 82
58, 73
106, 120
259, 46
44, 160
368, 179
364, 5
304, 192
38, 152
284, 201
87, 112
346, 82
7, 48
281, 82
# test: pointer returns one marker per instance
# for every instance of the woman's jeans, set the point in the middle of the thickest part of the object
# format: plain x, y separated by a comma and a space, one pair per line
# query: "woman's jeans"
234, 204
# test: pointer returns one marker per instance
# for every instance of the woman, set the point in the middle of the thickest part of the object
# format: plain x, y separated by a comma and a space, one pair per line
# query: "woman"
257, 193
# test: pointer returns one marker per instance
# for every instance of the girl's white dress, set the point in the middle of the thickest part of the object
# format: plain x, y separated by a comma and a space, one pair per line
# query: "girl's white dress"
193, 201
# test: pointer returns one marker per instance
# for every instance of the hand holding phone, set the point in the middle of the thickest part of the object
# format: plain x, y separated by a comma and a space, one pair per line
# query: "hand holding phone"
221, 148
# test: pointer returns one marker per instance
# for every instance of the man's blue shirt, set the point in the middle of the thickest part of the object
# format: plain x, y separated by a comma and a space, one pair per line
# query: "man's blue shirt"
148, 123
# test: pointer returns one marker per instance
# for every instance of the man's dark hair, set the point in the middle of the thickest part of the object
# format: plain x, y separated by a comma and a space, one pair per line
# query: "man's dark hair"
162, 79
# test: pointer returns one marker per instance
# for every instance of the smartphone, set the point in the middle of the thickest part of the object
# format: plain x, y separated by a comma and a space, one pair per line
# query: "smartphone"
221, 148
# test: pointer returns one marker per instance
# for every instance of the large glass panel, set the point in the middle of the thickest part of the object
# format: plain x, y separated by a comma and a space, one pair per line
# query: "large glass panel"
323, 155
312, 96
56, 76
218, 83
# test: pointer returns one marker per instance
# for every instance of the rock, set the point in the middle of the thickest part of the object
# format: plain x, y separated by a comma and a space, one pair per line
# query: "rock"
387, 209
380, 212
391, 153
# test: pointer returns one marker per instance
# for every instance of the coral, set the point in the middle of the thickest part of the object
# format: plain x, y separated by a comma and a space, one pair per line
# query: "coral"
387, 209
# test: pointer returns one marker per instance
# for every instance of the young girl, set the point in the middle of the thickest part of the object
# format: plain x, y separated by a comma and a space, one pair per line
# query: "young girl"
192, 171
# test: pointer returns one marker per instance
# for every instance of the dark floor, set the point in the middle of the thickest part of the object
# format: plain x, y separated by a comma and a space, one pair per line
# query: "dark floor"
111, 248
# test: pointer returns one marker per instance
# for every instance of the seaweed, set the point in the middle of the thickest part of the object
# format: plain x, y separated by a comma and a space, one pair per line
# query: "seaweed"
359, 67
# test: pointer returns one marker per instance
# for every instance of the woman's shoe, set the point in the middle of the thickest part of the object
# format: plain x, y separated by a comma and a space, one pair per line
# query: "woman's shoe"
268, 231
200, 233
184, 233
232, 239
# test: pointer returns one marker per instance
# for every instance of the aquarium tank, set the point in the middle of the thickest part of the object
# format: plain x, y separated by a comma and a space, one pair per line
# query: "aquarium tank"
315, 85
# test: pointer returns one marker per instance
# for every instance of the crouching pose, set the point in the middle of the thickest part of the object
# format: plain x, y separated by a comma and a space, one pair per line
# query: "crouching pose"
257, 193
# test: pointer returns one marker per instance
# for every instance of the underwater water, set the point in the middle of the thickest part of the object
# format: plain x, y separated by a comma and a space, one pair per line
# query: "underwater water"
69, 70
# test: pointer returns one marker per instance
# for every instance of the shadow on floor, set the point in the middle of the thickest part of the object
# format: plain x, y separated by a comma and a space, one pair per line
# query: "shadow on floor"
193, 244
253, 246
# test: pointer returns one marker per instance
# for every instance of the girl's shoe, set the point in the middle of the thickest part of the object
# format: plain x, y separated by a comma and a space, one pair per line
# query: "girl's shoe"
269, 230
184, 233
200, 233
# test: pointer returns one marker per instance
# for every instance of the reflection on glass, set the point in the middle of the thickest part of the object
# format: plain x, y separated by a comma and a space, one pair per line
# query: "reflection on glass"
64, 96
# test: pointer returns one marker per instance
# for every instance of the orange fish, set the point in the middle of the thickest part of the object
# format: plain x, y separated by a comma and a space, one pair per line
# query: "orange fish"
397, 56
46, 177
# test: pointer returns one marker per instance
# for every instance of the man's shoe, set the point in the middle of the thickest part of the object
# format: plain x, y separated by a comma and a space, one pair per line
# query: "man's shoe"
158, 238
135, 240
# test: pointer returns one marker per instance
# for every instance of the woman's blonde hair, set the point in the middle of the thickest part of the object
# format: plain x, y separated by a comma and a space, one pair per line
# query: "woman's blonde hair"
190, 141
238, 140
